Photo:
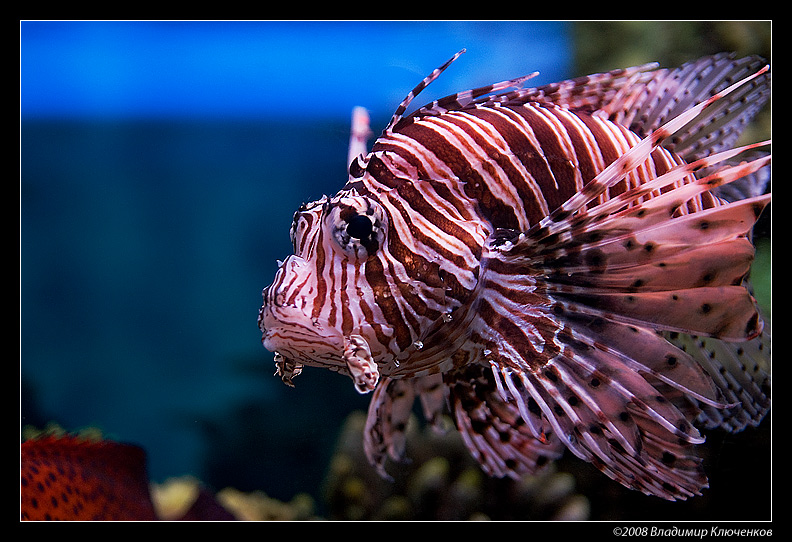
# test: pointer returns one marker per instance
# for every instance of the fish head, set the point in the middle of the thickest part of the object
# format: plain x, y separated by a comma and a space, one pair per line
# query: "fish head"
363, 294
320, 308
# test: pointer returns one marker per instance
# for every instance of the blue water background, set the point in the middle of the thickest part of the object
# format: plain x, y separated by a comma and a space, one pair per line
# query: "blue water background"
161, 164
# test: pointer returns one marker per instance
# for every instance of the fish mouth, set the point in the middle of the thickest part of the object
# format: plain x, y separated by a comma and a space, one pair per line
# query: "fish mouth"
291, 333
296, 343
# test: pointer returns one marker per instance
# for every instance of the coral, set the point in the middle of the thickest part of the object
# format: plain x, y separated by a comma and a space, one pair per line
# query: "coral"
174, 497
439, 481
85, 477
52, 429
257, 506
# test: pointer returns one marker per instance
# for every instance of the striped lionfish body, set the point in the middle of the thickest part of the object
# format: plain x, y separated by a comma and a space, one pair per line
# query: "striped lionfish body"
558, 266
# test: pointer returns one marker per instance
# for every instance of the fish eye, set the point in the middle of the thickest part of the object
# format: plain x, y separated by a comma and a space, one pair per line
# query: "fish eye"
359, 227
357, 224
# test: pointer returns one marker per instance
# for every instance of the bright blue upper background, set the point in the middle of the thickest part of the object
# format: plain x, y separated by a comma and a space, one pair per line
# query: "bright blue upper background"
267, 69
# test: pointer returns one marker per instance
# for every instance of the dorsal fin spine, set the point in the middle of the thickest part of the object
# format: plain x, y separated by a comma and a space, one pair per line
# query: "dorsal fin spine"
397, 115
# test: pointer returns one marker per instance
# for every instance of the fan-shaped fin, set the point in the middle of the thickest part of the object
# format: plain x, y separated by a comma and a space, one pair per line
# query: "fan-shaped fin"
389, 411
601, 403
741, 371
492, 427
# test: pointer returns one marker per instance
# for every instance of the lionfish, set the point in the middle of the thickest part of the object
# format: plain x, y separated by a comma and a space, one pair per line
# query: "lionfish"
559, 267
